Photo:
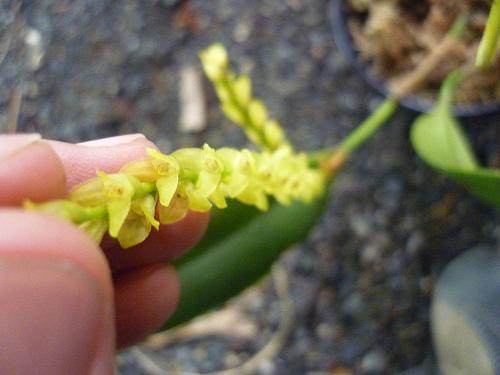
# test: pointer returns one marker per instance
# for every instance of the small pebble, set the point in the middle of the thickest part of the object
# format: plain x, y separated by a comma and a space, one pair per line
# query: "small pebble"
374, 361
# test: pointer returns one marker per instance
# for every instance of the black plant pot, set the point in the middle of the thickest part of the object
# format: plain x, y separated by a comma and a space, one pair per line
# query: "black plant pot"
338, 18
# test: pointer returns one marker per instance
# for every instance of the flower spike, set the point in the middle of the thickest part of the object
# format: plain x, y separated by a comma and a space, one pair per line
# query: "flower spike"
125, 203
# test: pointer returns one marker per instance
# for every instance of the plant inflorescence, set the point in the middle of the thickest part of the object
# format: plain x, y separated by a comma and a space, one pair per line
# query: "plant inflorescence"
161, 188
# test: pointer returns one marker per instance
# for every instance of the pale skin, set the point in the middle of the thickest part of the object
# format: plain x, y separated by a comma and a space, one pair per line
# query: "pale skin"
67, 303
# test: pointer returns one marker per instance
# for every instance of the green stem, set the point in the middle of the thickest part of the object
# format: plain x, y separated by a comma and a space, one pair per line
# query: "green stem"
366, 129
332, 159
448, 91
489, 42
143, 188
91, 213
458, 27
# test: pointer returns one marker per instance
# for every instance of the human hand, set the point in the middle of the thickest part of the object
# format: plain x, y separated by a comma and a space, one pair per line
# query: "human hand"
66, 302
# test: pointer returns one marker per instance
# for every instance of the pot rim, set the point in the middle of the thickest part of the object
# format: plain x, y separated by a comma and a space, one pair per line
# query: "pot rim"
338, 21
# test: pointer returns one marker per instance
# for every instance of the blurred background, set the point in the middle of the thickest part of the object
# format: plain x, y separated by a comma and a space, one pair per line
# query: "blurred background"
354, 298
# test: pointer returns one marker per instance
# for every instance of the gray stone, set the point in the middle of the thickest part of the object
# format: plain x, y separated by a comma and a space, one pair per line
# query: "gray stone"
374, 361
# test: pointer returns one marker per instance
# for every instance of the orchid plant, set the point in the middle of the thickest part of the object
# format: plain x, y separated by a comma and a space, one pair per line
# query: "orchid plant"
288, 188
262, 199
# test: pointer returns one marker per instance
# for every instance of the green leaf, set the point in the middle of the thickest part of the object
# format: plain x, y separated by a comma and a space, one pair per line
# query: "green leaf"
239, 248
439, 140
483, 183
437, 136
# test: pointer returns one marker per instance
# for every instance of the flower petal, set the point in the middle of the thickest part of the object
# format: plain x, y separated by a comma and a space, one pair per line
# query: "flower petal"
134, 232
89, 193
197, 201
176, 210
167, 186
207, 183
147, 206
218, 198
118, 210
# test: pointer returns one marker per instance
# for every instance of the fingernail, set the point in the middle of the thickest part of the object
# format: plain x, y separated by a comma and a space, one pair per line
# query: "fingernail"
50, 316
113, 141
11, 143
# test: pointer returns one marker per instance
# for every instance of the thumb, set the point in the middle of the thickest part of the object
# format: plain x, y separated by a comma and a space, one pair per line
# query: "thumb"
55, 293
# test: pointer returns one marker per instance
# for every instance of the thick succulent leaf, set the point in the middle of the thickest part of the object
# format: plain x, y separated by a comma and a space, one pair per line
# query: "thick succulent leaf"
239, 247
438, 137
439, 140
482, 182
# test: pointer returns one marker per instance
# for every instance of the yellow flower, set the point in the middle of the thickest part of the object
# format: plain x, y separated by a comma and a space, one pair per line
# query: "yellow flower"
167, 170
243, 90
176, 210
119, 190
89, 193
254, 195
238, 167
201, 173
257, 112
284, 175
215, 61
158, 168
142, 169
274, 134
137, 225
237, 103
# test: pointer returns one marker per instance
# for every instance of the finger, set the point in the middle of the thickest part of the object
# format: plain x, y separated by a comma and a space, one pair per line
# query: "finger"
29, 168
144, 299
81, 161
163, 245
56, 297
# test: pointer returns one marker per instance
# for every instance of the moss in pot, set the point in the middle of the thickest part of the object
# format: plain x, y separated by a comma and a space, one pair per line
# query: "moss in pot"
387, 40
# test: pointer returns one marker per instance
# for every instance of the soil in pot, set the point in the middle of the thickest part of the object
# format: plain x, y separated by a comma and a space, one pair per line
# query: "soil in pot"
393, 36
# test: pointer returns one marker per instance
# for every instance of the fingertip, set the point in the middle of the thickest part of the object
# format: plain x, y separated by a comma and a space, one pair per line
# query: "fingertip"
144, 299
55, 274
33, 172
24, 233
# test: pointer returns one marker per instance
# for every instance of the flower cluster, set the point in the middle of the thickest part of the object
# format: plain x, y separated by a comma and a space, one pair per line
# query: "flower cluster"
237, 103
125, 203
161, 189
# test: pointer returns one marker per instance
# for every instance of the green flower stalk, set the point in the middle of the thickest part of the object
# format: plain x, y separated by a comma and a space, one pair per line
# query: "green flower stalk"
491, 36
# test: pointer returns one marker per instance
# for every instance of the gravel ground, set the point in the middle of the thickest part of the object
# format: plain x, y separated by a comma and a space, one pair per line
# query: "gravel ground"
360, 286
